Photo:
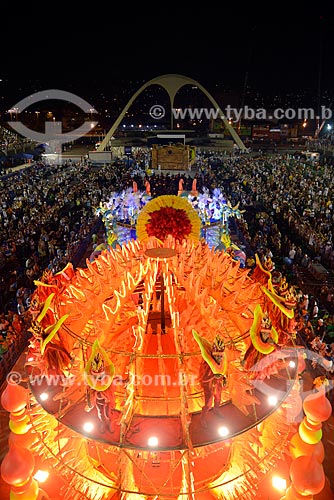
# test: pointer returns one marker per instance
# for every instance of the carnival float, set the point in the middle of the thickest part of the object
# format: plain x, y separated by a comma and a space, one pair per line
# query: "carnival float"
120, 214
116, 403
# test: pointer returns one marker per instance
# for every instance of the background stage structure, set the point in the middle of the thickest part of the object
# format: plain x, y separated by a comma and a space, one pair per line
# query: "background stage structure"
173, 157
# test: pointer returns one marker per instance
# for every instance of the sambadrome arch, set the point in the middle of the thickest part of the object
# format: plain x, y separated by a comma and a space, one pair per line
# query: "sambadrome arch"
172, 83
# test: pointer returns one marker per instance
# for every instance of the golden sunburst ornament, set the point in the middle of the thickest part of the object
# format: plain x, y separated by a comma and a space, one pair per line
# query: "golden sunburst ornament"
168, 215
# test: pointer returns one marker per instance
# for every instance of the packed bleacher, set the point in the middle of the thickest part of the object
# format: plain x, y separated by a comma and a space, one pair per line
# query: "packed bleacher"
13, 149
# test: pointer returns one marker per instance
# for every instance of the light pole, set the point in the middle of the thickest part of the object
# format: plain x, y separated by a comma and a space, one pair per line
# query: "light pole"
11, 111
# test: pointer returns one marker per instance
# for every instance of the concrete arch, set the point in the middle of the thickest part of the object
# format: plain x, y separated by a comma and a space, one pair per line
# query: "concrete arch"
172, 84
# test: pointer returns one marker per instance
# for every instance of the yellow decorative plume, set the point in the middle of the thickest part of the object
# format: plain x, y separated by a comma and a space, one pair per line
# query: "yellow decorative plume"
168, 201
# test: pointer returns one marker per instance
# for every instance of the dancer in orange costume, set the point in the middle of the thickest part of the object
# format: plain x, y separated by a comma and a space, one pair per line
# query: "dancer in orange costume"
148, 187
102, 400
212, 381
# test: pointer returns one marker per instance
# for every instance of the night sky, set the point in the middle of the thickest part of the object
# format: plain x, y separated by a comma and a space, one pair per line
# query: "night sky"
271, 50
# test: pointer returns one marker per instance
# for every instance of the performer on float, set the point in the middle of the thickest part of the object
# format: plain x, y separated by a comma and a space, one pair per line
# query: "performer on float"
51, 354
291, 303
212, 374
181, 181
148, 187
194, 191
100, 392
264, 339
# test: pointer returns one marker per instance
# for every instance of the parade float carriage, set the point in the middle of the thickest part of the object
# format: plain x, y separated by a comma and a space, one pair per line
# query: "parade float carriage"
120, 214
128, 333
